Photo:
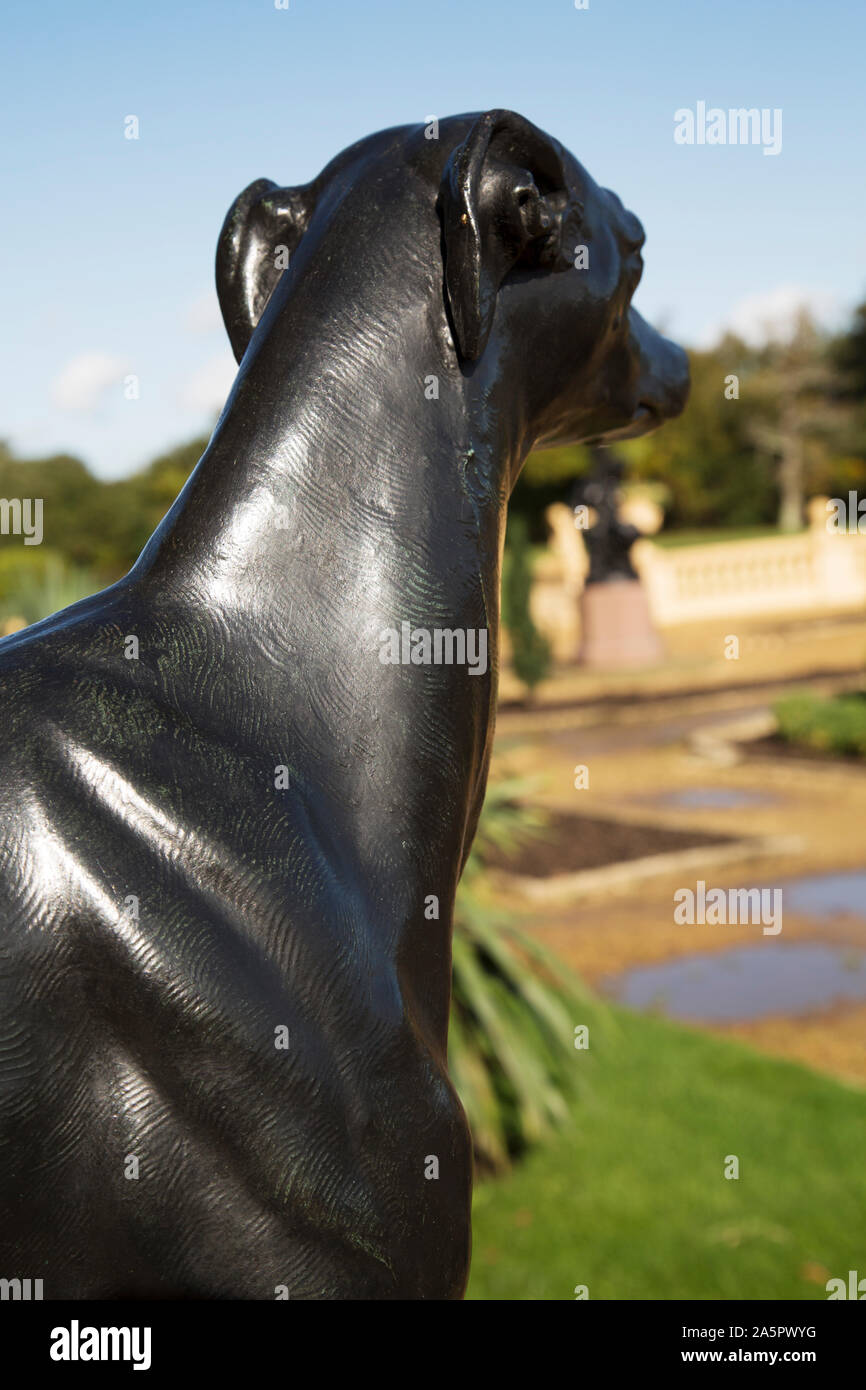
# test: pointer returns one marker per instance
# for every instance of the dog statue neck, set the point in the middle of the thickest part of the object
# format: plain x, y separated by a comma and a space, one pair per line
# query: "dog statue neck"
341, 501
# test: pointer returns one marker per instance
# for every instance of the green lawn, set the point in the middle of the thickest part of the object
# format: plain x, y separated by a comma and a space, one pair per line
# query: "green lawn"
634, 1203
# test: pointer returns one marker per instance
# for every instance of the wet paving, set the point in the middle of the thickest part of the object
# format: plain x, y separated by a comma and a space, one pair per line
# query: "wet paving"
656, 729
826, 895
771, 977
713, 798
746, 982
800, 994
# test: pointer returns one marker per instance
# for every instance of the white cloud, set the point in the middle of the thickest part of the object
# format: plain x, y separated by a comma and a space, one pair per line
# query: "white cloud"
84, 381
203, 315
759, 318
206, 389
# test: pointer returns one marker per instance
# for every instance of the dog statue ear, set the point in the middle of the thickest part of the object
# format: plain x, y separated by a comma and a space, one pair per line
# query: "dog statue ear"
261, 230
501, 191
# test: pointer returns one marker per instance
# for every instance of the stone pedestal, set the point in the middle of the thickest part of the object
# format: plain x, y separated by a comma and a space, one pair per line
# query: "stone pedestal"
616, 627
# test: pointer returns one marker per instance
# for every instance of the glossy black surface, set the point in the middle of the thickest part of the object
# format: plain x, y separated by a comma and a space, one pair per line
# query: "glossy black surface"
167, 903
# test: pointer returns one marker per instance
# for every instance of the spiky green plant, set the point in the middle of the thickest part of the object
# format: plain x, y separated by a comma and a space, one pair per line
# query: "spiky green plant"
515, 1006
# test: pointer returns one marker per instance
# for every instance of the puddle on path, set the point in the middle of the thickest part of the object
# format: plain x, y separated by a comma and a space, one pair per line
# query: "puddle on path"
746, 982
714, 798
826, 895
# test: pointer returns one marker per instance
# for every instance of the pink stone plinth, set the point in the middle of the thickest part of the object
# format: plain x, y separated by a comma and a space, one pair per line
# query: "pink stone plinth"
616, 628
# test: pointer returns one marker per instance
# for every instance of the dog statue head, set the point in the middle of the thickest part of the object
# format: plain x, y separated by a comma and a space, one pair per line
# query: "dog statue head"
528, 267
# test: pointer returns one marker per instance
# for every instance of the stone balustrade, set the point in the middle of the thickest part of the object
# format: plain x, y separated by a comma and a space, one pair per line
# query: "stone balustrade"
817, 569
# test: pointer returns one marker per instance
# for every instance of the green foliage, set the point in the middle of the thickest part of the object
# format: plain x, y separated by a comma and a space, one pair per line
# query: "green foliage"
548, 476
69, 494
36, 581
530, 651
714, 473
560, 465
631, 1200
830, 725
849, 358
727, 462
514, 1006
102, 526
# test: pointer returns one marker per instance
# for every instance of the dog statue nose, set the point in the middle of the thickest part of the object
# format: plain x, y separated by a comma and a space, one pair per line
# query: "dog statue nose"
677, 377
664, 378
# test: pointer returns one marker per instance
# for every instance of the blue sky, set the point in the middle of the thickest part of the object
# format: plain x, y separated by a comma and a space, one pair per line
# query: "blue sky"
108, 244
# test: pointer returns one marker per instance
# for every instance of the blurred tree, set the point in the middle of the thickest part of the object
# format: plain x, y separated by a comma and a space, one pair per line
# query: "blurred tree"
68, 491
98, 525
848, 357
712, 472
133, 507
793, 417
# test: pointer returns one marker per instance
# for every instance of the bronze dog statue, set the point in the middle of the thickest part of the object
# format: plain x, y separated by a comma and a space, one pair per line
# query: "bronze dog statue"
231, 831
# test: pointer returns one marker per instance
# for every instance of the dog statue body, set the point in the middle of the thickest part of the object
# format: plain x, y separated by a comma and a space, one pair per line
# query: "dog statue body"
224, 995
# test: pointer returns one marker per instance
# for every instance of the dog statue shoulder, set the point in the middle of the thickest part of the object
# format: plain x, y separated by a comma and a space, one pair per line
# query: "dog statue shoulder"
226, 1008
